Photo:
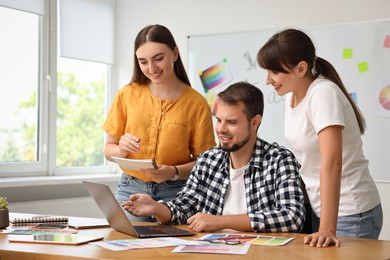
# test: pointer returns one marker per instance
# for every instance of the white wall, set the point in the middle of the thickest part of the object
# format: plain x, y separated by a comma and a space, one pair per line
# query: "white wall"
195, 17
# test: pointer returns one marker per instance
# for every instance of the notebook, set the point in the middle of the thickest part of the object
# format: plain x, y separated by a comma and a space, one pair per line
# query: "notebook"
38, 220
118, 220
84, 223
134, 164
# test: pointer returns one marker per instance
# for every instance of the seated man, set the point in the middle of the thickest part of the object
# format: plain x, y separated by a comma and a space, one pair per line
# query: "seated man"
245, 183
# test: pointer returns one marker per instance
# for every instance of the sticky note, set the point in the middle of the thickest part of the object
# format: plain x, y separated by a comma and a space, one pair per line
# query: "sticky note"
363, 66
386, 44
347, 53
353, 95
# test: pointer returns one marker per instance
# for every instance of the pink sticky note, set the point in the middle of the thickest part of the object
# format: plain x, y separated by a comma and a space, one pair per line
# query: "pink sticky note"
386, 44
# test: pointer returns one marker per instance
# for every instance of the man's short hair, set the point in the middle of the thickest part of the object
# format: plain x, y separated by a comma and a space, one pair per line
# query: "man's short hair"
251, 96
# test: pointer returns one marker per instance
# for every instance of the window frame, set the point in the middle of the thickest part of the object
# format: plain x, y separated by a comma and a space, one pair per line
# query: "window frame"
47, 109
39, 167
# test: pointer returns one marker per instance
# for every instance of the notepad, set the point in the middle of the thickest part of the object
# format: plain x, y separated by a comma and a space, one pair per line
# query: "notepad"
134, 164
39, 220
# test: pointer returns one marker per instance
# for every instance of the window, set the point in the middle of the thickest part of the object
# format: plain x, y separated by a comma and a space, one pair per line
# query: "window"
20, 48
80, 112
53, 104
19, 56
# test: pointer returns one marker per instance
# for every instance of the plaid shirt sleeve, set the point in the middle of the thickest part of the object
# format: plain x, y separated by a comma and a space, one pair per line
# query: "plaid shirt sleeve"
205, 188
185, 203
274, 187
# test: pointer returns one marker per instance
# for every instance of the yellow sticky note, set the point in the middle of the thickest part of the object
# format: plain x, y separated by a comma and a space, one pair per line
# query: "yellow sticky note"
347, 53
363, 66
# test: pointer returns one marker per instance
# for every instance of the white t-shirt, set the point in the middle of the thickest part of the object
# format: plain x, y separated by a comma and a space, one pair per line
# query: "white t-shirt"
235, 198
325, 105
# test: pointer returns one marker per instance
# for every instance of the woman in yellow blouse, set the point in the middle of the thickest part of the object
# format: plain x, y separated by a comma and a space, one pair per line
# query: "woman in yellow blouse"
157, 116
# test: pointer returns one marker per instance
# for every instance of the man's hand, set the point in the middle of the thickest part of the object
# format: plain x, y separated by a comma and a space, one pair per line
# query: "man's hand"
202, 222
140, 205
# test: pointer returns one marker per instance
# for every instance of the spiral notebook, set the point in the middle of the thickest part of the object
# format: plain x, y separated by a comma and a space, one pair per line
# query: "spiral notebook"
38, 220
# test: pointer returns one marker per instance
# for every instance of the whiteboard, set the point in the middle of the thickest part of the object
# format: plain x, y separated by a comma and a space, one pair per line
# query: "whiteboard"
360, 52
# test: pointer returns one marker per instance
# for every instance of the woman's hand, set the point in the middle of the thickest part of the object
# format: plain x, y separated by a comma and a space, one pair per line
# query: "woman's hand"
129, 143
321, 239
162, 174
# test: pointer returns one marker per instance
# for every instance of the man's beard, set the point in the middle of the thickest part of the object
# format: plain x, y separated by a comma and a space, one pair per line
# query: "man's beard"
237, 146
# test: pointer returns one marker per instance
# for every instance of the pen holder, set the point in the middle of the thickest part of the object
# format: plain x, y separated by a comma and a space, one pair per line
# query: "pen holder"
4, 218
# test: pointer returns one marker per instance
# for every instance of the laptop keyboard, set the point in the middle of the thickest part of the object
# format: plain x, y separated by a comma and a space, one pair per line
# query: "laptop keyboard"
158, 229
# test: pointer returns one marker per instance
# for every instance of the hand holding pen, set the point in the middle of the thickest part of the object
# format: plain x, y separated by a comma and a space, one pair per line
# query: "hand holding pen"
129, 143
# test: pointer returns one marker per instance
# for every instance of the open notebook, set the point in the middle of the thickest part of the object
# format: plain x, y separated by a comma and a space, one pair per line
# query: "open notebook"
118, 220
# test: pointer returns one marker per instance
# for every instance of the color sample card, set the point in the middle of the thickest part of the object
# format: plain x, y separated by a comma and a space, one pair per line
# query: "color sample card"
215, 76
241, 238
211, 98
271, 241
240, 249
131, 244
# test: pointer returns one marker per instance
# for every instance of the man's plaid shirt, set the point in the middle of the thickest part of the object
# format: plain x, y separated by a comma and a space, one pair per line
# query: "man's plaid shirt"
272, 185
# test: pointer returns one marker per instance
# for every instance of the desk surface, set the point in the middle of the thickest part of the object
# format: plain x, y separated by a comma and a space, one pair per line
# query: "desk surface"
351, 248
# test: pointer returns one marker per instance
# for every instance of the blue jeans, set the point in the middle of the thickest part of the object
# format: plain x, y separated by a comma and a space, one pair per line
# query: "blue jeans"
362, 225
129, 185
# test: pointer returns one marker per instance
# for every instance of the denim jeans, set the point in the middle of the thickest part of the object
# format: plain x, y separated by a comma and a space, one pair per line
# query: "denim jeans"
362, 225
129, 185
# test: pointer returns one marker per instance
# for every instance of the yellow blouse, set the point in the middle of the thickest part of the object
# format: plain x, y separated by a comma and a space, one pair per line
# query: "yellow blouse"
172, 132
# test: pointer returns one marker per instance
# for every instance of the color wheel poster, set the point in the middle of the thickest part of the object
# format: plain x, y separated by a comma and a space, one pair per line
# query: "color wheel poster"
383, 105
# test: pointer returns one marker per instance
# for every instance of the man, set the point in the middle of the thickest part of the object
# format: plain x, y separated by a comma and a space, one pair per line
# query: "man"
244, 184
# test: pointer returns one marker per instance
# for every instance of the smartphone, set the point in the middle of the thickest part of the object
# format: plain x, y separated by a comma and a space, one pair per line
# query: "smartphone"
154, 164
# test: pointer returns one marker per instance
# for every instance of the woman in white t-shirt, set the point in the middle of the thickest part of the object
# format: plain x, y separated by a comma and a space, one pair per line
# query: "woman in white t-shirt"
323, 127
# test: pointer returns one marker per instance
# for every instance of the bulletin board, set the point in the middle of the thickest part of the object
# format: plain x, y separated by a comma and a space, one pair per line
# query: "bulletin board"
359, 51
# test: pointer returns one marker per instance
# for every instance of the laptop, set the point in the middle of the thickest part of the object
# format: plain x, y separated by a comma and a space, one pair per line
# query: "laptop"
118, 220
